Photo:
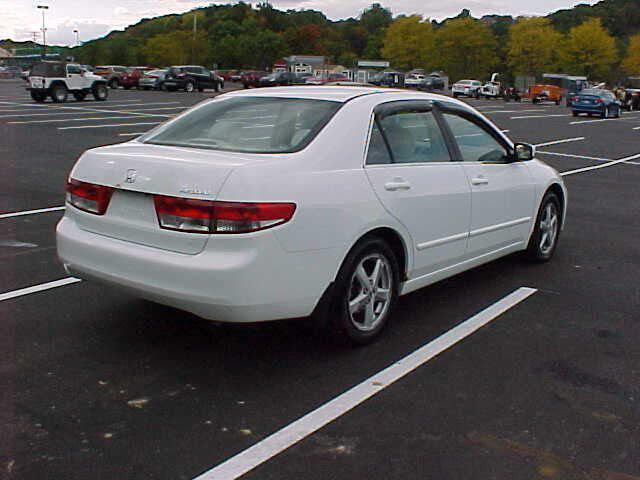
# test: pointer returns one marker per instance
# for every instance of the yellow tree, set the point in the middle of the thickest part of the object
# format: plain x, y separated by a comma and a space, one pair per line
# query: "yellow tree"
467, 49
532, 46
631, 63
589, 50
409, 42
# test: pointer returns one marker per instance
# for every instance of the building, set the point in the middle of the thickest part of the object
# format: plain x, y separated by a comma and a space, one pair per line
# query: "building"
366, 69
305, 63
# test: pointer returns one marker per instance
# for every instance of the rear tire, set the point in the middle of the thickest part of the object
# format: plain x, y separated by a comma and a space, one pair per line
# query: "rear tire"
544, 239
605, 113
38, 96
59, 93
100, 92
365, 292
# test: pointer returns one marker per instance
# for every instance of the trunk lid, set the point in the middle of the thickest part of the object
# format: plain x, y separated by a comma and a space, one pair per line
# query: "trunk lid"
137, 171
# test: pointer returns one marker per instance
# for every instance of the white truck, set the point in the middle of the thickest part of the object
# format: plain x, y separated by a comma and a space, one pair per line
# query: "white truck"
59, 79
492, 89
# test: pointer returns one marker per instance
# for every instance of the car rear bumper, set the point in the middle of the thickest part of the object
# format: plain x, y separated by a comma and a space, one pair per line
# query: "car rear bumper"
587, 108
234, 279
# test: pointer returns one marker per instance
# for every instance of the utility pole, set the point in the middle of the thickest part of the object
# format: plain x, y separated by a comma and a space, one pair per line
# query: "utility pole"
193, 42
44, 30
77, 37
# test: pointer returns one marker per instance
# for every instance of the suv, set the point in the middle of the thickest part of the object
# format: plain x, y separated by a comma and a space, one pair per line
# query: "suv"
58, 79
192, 77
111, 73
279, 79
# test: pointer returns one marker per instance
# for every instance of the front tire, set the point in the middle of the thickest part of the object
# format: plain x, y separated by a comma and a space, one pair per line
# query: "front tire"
544, 240
365, 292
59, 94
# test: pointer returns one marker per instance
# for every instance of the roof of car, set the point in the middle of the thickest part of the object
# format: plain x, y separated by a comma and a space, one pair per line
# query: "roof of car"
335, 93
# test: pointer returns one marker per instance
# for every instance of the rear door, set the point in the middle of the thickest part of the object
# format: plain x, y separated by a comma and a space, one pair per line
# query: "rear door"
409, 166
502, 191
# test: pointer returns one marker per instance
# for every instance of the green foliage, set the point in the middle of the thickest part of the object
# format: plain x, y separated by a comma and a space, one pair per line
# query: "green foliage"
631, 62
466, 48
533, 46
589, 50
409, 42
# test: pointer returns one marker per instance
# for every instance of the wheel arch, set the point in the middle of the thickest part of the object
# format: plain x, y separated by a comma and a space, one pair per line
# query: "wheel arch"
395, 241
559, 192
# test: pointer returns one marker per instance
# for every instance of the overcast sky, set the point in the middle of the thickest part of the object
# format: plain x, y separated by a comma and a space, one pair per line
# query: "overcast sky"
94, 18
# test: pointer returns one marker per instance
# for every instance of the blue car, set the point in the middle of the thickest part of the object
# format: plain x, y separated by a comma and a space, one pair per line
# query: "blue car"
595, 101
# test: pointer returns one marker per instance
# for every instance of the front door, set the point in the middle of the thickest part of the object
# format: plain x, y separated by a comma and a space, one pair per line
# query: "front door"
502, 191
410, 168
75, 81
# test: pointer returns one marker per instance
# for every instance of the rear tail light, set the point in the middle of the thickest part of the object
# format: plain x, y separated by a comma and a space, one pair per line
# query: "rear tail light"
204, 216
575, 99
597, 100
88, 196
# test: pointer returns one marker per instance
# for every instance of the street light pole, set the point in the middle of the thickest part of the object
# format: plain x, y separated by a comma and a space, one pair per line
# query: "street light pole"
44, 30
193, 41
77, 37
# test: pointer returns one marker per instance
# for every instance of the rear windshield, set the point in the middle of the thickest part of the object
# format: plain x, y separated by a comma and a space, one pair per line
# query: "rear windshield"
248, 124
591, 91
48, 70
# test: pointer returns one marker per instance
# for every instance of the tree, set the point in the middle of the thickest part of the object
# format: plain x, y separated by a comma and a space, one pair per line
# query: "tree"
375, 18
467, 48
588, 50
532, 46
409, 42
631, 63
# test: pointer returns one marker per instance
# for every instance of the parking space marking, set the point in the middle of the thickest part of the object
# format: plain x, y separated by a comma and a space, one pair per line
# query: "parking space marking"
513, 111
113, 125
86, 119
313, 421
540, 116
30, 212
98, 110
38, 288
636, 128
55, 111
131, 134
555, 142
570, 155
602, 165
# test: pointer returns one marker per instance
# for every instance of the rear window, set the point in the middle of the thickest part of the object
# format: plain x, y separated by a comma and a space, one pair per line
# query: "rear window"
249, 124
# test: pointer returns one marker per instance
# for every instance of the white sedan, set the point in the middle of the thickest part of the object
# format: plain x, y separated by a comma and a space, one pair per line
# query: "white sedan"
286, 202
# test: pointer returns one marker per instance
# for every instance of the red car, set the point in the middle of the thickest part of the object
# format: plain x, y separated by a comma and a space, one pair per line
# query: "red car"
252, 78
131, 77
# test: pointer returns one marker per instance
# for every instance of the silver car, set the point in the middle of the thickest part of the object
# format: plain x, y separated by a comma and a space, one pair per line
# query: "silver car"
152, 80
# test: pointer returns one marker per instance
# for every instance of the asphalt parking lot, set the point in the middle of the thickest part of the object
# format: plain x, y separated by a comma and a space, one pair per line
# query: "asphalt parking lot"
98, 384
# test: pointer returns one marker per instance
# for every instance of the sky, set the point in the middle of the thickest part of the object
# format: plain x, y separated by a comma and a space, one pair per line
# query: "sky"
19, 19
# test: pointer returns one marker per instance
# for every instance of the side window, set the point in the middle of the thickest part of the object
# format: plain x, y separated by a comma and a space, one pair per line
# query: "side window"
74, 69
474, 142
378, 153
414, 137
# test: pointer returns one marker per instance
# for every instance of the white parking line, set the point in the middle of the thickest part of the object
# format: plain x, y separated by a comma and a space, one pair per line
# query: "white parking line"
131, 134
313, 421
76, 112
513, 111
636, 128
30, 212
602, 165
555, 142
38, 288
540, 116
98, 110
570, 155
109, 126
86, 119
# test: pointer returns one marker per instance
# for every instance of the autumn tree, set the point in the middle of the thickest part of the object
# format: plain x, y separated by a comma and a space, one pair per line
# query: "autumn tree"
588, 50
467, 48
631, 63
532, 46
409, 42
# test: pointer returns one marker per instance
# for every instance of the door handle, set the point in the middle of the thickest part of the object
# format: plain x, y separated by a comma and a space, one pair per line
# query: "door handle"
397, 184
479, 181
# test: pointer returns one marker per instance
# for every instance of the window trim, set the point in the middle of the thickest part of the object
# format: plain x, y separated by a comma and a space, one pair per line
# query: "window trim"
400, 105
446, 107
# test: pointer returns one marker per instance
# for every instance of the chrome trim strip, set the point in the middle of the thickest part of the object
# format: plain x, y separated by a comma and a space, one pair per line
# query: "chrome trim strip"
498, 226
442, 241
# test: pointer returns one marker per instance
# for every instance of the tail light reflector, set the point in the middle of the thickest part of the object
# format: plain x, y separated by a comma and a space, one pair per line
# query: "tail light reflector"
205, 216
597, 100
89, 197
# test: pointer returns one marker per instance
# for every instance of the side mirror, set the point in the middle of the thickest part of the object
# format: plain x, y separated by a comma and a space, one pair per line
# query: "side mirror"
524, 152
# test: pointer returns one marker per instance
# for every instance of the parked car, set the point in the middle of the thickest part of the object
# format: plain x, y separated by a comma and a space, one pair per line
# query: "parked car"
388, 79
236, 76
131, 78
544, 93
511, 93
10, 71
251, 78
630, 98
466, 88
594, 101
152, 80
423, 82
323, 79
192, 77
491, 89
280, 79
59, 79
111, 73
204, 212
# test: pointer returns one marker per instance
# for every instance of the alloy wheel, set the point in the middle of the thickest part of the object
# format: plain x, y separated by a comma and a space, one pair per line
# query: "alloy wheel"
370, 292
548, 228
